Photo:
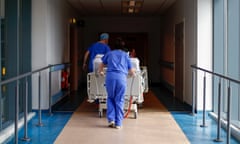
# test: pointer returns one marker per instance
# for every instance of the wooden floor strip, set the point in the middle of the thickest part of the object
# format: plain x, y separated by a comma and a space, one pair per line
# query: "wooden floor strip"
153, 125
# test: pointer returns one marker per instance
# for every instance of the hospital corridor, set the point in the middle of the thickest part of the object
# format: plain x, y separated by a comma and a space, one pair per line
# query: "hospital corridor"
169, 68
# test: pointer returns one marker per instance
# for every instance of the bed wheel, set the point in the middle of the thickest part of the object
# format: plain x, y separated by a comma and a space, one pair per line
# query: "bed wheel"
135, 115
100, 114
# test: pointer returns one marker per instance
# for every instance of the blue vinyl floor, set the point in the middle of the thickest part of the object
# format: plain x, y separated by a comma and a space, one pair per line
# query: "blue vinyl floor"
48, 132
190, 125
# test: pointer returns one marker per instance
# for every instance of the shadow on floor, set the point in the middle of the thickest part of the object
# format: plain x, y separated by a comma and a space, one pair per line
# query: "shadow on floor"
74, 100
169, 101
70, 102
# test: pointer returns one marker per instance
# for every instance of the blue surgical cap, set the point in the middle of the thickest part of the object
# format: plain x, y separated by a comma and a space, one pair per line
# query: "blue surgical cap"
104, 36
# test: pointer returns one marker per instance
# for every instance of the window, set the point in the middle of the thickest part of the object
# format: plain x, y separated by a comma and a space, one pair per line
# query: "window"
226, 58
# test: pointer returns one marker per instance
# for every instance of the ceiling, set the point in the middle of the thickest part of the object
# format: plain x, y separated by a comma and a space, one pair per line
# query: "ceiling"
117, 7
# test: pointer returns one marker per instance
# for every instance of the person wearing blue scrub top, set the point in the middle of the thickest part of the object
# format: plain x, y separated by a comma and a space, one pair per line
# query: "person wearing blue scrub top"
118, 67
100, 47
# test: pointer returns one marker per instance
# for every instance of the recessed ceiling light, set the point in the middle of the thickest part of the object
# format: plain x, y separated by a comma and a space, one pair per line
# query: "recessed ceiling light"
132, 6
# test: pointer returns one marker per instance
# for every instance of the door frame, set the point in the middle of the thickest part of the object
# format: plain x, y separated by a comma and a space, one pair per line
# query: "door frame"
179, 80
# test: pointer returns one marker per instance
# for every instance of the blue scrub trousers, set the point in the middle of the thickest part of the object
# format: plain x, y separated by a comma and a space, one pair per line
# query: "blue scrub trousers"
116, 84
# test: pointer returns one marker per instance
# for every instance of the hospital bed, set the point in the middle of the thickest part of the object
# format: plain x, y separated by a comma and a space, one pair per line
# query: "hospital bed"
136, 86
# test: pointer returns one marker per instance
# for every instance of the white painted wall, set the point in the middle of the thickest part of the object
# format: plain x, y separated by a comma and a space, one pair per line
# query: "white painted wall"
49, 44
204, 51
190, 51
39, 45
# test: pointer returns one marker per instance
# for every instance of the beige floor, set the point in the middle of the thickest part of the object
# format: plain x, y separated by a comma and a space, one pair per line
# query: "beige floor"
154, 125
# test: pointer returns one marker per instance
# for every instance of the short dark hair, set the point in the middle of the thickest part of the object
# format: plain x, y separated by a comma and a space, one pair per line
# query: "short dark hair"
119, 44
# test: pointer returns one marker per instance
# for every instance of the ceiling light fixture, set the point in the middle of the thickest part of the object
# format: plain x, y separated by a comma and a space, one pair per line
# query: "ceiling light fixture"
131, 6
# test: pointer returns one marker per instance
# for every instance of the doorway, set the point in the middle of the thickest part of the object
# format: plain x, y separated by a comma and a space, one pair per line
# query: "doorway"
179, 55
137, 41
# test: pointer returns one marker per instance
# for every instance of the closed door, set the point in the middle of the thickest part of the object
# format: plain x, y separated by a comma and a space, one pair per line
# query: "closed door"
179, 48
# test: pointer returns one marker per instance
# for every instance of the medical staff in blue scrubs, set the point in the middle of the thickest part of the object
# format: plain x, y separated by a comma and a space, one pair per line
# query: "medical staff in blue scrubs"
118, 67
100, 47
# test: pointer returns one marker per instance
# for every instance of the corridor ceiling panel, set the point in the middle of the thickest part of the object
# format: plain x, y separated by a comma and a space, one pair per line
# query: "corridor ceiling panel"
121, 7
